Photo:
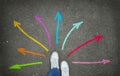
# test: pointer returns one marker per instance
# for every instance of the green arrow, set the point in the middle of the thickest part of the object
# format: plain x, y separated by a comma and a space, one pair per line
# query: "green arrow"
19, 66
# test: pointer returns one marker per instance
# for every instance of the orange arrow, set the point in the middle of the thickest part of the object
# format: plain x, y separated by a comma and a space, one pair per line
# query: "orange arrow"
24, 52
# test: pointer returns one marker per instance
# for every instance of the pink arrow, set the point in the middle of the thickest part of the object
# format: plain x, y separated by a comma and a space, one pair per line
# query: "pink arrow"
45, 28
104, 61
97, 38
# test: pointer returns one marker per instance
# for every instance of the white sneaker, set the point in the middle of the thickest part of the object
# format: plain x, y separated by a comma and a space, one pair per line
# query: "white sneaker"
64, 68
54, 60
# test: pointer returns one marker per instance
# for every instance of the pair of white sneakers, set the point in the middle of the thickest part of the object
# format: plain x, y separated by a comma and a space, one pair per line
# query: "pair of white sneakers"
55, 64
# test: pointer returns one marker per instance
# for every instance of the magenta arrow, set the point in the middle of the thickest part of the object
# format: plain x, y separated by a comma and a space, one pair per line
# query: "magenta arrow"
104, 61
97, 38
39, 19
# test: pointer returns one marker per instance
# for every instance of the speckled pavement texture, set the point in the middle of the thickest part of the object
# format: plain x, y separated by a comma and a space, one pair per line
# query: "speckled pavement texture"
100, 17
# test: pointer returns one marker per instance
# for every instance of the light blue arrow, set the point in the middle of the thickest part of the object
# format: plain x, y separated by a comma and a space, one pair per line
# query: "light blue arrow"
75, 26
58, 17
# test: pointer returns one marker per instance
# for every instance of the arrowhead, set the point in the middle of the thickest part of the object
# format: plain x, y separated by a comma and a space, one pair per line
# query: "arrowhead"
16, 66
105, 61
77, 25
37, 18
58, 16
98, 37
22, 51
16, 23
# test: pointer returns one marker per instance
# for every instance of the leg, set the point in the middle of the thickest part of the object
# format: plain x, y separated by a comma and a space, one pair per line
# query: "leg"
54, 72
54, 59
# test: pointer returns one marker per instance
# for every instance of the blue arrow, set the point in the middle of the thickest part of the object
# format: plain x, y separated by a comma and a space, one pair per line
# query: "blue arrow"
75, 26
58, 17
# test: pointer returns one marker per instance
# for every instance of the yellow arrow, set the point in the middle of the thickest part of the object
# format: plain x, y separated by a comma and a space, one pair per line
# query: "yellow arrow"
17, 24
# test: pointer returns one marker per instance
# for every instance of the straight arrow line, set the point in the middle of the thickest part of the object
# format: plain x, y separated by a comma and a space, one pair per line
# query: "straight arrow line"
35, 63
24, 52
57, 32
17, 24
19, 66
38, 18
75, 26
58, 17
104, 61
99, 62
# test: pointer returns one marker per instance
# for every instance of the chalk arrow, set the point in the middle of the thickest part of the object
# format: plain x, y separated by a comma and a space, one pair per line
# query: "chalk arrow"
19, 66
39, 19
24, 52
104, 61
17, 24
95, 38
57, 18
16, 66
75, 26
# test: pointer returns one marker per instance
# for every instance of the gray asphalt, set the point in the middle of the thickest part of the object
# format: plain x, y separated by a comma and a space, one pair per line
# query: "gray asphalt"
101, 17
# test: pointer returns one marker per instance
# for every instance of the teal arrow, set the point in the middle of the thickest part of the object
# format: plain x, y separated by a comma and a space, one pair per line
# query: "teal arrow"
75, 26
57, 18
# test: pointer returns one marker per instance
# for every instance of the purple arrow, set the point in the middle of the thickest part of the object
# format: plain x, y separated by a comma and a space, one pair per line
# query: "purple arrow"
38, 18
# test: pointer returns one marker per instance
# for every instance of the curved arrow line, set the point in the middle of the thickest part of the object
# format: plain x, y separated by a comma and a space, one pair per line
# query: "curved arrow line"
97, 38
69, 35
45, 28
30, 37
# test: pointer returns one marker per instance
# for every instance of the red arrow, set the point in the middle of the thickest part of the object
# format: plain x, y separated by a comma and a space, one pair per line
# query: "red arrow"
97, 38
